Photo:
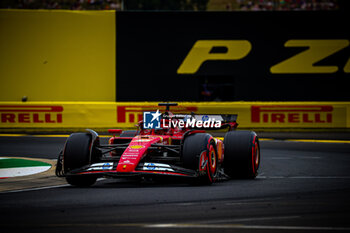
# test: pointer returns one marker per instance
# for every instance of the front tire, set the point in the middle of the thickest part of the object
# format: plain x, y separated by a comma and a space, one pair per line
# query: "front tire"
199, 154
76, 155
241, 154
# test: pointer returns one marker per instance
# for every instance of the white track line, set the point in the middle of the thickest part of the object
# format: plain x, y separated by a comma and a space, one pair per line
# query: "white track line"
42, 188
35, 189
303, 177
227, 221
241, 226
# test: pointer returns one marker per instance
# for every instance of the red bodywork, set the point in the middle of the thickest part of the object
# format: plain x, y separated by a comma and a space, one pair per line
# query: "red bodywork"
130, 159
176, 145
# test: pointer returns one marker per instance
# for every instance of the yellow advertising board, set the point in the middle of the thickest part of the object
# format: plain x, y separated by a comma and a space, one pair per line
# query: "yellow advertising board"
57, 55
255, 115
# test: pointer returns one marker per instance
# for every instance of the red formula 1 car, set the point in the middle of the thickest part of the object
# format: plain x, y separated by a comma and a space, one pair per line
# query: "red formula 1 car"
169, 146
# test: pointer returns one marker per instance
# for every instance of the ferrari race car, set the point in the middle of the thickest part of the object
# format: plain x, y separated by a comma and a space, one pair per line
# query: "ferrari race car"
167, 146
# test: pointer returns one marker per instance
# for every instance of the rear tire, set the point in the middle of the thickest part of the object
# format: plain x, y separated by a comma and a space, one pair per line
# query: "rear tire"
199, 154
76, 155
241, 154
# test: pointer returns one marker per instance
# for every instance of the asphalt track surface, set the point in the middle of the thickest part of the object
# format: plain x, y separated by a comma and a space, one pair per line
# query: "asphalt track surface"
302, 187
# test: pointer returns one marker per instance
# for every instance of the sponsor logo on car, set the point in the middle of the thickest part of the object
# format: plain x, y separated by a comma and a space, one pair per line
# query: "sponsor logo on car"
149, 166
157, 167
107, 166
101, 166
136, 147
142, 140
130, 155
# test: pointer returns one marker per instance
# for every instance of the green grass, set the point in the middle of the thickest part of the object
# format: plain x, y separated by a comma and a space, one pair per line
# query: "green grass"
12, 163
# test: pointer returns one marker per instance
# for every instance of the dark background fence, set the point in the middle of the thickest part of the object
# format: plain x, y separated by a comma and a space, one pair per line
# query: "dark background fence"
151, 46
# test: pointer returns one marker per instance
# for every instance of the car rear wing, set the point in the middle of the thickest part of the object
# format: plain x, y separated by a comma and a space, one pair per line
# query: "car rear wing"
224, 120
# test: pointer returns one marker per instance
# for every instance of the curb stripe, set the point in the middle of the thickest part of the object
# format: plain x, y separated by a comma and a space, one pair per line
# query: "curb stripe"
13, 167
22, 171
19, 163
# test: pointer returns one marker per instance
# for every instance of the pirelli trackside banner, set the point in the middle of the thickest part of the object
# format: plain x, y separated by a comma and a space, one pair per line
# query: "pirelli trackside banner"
74, 115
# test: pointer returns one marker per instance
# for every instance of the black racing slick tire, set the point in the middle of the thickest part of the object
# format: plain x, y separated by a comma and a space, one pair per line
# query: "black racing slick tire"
241, 154
76, 155
128, 133
199, 154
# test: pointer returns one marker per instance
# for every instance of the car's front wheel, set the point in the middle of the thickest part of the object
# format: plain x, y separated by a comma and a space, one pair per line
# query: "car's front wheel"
199, 154
76, 154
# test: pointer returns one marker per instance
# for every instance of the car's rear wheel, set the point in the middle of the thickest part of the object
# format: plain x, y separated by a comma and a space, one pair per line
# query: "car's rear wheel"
199, 154
76, 155
241, 154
